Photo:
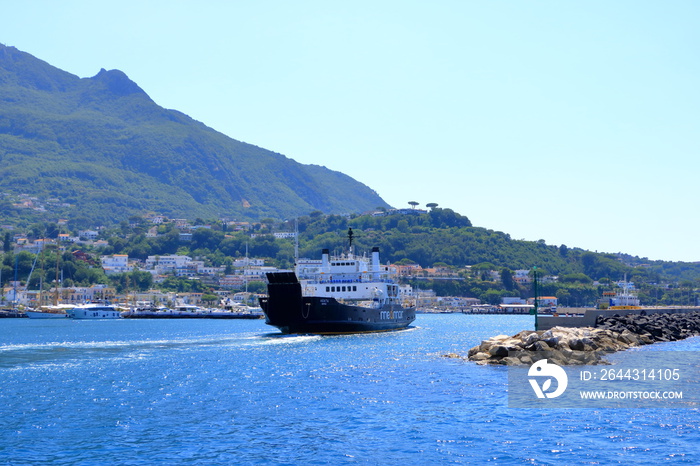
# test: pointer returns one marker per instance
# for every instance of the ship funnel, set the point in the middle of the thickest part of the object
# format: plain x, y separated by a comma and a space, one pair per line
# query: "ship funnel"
325, 260
375, 259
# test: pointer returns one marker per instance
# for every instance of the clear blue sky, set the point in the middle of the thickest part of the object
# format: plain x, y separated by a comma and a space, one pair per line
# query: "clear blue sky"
573, 122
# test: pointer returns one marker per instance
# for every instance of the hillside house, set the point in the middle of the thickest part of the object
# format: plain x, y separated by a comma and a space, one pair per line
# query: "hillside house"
116, 263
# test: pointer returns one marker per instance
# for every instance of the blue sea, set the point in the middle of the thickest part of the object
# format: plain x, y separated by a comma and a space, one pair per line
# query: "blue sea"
126, 392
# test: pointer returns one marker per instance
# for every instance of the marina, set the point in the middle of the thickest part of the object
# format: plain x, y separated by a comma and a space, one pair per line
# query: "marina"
142, 310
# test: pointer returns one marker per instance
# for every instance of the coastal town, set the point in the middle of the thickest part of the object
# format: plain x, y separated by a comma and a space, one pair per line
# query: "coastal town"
240, 282
237, 283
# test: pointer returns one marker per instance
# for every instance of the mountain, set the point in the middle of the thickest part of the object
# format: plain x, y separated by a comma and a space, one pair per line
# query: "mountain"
101, 148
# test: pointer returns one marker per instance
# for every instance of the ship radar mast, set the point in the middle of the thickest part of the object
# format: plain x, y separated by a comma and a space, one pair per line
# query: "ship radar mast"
350, 238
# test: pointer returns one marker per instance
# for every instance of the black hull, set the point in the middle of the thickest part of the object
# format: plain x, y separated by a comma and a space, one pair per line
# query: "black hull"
289, 311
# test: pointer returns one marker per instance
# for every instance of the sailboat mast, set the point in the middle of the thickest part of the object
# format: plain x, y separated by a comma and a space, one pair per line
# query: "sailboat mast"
55, 293
15, 300
41, 279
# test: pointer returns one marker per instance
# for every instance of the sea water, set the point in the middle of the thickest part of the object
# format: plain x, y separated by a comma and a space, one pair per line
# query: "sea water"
238, 392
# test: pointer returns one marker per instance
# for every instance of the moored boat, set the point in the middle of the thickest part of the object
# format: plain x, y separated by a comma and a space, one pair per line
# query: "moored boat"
94, 311
49, 312
344, 294
188, 311
11, 313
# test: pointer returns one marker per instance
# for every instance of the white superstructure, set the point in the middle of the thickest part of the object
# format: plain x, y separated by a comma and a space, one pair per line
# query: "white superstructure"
361, 280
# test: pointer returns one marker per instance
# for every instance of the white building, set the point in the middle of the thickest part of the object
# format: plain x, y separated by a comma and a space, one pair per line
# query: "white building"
278, 235
522, 277
116, 263
168, 263
258, 272
232, 281
246, 262
210, 270
88, 234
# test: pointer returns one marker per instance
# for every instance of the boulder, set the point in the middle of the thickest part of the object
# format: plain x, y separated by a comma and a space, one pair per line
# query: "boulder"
531, 338
480, 357
509, 361
539, 345
499, 351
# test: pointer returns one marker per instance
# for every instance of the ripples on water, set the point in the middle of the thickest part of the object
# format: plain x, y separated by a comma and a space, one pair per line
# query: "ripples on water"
226, 392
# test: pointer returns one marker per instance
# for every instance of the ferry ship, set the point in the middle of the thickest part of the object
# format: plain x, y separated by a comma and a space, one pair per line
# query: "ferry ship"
336, 295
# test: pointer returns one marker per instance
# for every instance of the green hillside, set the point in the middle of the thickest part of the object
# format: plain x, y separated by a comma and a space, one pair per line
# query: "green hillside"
470, 261
103, 150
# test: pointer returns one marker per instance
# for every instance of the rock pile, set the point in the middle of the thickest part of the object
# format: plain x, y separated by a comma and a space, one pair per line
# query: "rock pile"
659, 327
585, 345
561, 345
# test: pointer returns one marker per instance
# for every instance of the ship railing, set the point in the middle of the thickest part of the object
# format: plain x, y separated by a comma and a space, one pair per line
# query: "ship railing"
365, 280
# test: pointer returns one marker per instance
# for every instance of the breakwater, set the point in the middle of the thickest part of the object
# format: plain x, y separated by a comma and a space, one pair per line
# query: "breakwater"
658, 327
578, 317
585, 345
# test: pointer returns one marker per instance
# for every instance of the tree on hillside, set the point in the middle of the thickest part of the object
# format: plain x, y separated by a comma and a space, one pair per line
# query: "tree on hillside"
446, 218
563, 296
507, 278
491, 296
405, 261
563, 250
431, 205
413, 204
209, 298
575, 278
204, 238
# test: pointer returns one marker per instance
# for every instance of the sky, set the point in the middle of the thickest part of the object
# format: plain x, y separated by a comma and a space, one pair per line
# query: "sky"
572, 122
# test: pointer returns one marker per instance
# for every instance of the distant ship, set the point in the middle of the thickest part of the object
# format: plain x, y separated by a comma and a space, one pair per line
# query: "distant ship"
344, 294
622, 299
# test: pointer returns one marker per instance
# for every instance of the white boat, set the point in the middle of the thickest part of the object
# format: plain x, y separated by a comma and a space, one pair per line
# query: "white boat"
94, 311
49, 312
189, 311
